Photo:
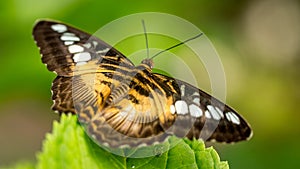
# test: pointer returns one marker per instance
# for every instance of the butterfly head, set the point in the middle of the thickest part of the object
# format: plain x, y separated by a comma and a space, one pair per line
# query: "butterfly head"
148, 62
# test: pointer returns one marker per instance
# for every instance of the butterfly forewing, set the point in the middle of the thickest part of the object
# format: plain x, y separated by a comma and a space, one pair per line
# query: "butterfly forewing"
70, 52
122, 104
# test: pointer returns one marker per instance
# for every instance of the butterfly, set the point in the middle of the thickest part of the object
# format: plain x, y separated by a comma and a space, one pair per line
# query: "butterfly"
120, 104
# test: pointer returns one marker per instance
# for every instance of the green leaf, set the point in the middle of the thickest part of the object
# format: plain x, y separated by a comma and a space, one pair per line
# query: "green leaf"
68, 146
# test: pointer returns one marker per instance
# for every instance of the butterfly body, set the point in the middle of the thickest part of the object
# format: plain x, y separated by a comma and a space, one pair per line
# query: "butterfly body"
123, 104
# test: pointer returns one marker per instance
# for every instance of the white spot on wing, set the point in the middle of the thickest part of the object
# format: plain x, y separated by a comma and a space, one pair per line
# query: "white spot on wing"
82, 57
182, 89
172, 109
207, 114
75, 49
181, 107
68, 42
95, 43
232, 117
59, 28
195, 111
69, 37
213, 112
104, 51
87, 45
228, 117
220, 112
196, 94
196, 100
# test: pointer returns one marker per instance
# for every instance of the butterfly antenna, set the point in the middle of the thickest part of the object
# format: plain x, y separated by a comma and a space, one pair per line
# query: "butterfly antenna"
181, 43
146, 37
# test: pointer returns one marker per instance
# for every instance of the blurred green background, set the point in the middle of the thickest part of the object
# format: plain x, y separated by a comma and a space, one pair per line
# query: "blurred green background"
258, 43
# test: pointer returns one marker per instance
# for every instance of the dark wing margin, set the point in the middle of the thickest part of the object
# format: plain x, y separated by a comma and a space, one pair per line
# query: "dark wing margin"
212, 119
